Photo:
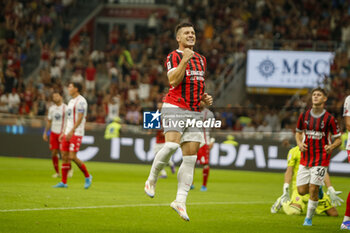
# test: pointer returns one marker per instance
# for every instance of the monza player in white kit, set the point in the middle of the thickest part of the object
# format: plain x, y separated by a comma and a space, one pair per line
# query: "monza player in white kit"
73, 134
55, 122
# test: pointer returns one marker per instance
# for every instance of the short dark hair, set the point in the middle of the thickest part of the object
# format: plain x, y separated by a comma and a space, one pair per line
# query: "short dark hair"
77, 85
320, 90
55, 91
182, 25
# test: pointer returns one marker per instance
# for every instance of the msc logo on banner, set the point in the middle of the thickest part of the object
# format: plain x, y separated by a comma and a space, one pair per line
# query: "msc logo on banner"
151, 120
266, 68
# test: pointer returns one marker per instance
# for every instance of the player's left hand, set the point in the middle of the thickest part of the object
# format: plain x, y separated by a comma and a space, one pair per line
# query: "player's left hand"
207, 99
335, 199
45, 137
328, 149
69, 135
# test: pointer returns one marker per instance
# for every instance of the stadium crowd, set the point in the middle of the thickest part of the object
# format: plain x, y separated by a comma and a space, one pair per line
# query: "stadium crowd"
129, 74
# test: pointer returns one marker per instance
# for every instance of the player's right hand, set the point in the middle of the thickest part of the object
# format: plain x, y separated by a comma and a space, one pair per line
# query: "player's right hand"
45, 137
302, 147
285, 197
60, 138
188, 54
335, 199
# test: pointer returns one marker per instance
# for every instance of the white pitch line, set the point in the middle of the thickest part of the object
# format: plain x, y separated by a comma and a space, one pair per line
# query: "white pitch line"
131, 205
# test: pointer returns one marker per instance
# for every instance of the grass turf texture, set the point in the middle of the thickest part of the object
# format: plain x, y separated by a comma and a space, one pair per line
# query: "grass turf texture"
27, 184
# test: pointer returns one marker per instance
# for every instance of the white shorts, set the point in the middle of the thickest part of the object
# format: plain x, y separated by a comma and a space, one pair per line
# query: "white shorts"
311, 175
172, 112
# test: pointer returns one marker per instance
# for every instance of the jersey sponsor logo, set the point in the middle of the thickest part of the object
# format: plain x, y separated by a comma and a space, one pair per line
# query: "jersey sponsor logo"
315, 134
196, 78
194, 73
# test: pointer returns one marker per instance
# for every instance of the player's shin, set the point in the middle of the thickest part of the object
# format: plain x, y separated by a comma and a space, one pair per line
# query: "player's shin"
311, 207
65, 168
55, 162
84, 170
185, 177
206, 169
161, 159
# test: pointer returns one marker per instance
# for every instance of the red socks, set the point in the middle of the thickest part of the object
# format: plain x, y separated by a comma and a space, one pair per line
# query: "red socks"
55, 163
65, 168
347, 212
84, 170
205, 175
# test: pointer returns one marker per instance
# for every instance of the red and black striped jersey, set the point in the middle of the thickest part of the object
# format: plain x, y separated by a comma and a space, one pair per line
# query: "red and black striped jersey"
189, 92
317, 134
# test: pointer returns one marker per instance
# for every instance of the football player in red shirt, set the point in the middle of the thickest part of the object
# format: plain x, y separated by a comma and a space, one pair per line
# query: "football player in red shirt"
314, 129
186, 72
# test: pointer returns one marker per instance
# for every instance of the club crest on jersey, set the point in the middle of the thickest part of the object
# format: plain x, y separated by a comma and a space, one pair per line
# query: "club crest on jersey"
57, 116
69, 112
306, 123
322, 125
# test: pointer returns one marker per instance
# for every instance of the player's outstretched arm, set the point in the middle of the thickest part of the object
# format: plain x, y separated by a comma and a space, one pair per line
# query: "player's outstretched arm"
285, 197
287, 180
176, 76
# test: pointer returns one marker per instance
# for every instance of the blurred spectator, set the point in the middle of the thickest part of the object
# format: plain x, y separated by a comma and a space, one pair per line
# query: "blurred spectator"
45, 50
133, 115
13, 101
113, 108
77, 77
9, 79
125, 61
90, 77
144, 88
272, 119
249, 130
265, 129
113, 74
4, 102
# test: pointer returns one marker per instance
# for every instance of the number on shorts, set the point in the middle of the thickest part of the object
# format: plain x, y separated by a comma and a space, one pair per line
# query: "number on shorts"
321, 171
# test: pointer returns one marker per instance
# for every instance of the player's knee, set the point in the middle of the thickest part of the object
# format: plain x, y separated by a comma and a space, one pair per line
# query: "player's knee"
291, 209
313, 192
171, 146
301, 191
332, 212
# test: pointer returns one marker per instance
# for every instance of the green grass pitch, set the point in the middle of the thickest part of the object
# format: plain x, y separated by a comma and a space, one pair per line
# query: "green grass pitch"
236, 201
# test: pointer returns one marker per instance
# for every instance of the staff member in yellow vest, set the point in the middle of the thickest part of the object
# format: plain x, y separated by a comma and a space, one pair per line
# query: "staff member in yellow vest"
113, 129
231, 140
